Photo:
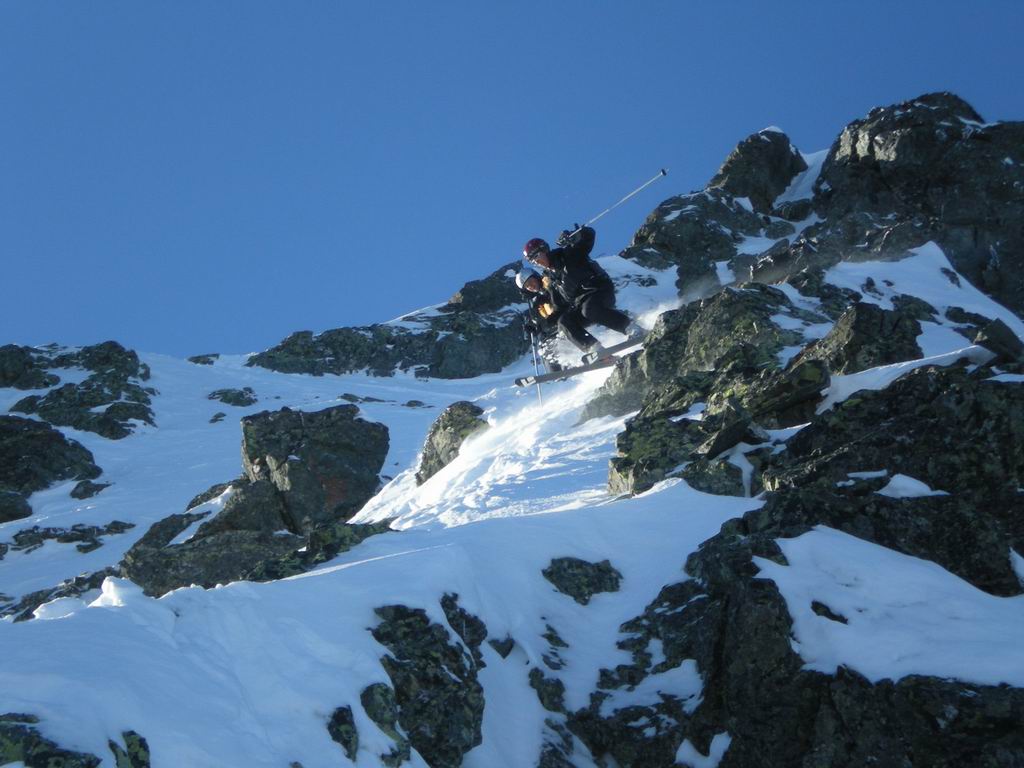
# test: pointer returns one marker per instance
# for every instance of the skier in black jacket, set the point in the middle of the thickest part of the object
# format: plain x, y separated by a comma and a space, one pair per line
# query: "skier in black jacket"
582, 286
541, 315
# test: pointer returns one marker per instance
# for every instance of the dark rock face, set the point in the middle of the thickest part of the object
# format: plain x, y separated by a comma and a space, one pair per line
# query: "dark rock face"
306, 474
440, 702
686, 345
85, 537
721, 351
580, 579
323, 543
468, 627
760, 168
24, 368
240, 398
943, 426
114, 386
692, 233
342, 728
21, 743
737, 629
86, 489
13, 506
379, 703
34, 456
226, 548
134, 753
866, 336
325, 464
932, 160
479, 330
447, 434
925, 170
204, 359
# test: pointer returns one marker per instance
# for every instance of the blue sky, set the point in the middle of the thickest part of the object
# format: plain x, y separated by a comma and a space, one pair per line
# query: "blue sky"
191, 176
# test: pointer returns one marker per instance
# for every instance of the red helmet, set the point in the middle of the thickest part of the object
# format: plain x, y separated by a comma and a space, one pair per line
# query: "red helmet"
534, 247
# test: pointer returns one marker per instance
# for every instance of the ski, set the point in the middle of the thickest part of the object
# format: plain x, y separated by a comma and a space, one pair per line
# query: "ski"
588, 358
529, 381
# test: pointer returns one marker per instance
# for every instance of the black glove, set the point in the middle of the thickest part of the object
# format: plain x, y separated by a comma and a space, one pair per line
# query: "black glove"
570, 236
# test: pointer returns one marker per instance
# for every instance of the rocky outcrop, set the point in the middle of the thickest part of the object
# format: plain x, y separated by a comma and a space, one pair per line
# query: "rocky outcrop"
325, 464
13, 506
935, 164
690, 347
240, 398
107, 402
34, 456
866, 336
925, 170
580, 579
694, 233
760, 169
86, 538
729, 621
722, 356
21, 742
447, 434
479, 330
306, 474
24, 368
440, 702
949, 428
379, 703
252, 532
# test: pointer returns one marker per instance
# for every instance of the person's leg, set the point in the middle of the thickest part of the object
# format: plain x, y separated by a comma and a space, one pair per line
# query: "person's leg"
572, 325
599, 308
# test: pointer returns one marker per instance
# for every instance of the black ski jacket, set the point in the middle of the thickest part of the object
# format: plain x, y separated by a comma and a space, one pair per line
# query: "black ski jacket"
573, 275
535, 321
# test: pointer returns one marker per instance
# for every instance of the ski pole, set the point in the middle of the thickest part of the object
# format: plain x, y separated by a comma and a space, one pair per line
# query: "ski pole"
642, 187
536, 366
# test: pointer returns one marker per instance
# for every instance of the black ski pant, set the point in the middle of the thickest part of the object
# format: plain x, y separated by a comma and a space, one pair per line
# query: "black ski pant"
597, 308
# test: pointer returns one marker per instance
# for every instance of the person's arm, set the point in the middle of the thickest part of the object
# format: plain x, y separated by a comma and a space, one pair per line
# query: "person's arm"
576, 252
585, 240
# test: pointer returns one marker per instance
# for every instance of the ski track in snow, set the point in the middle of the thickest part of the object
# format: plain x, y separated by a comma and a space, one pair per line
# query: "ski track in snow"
248, 674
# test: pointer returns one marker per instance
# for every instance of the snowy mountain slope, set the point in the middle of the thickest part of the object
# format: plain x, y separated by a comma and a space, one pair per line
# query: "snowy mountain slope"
521, 613
238, 649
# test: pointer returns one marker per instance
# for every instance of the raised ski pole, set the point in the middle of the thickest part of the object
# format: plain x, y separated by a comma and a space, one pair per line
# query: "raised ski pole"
645, 185
536, 366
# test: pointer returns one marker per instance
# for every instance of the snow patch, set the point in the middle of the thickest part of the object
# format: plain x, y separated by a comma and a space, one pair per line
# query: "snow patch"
682, 682
927, 274
802, 187
905, 487
689, 756
904, 616
842, 386
725, 274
